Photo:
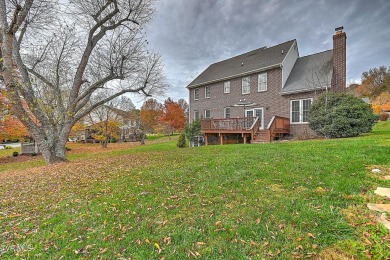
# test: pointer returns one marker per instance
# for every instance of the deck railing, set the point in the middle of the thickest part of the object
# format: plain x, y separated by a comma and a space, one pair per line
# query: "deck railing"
256, 126
230, 124
279, 125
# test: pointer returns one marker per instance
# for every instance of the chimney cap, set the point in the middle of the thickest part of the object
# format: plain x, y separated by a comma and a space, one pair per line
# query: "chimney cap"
339, 29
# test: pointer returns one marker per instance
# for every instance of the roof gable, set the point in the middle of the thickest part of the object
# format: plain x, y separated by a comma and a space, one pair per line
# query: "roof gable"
310, 72
250, 62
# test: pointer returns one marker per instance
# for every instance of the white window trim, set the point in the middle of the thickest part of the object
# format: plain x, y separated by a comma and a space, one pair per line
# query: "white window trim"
262, 115
205, 117
196, 89
242, 85
300, 111
224, 89
205, 92
224, 112
266, 82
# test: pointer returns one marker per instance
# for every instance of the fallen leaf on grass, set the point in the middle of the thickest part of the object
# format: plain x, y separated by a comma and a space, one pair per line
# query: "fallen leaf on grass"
167, 240
194, 254
310, 235
368, 242
218, 224
102, 251
158, 247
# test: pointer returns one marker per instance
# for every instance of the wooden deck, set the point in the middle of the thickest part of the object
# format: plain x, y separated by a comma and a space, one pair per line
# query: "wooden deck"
249, 128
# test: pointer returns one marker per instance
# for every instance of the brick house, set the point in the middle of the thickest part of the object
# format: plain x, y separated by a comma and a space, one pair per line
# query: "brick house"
265, 94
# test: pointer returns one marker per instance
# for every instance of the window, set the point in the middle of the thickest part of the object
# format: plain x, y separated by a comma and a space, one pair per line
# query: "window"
207, 92
226, 112
246, 88
226, 87
196, 114
207, 113
262, 82
300, 110
196, 94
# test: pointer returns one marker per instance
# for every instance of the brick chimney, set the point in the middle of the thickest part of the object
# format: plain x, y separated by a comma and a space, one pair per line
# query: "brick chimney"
339, 60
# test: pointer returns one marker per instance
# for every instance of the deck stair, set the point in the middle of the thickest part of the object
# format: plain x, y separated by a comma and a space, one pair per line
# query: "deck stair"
278, 128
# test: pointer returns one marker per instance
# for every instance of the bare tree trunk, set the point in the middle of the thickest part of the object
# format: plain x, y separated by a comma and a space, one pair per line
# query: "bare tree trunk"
104, 143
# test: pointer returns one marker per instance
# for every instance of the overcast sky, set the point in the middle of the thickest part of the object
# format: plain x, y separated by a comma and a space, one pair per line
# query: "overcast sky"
192, 34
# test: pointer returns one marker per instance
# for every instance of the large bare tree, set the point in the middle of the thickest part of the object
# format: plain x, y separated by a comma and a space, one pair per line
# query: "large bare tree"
61, 56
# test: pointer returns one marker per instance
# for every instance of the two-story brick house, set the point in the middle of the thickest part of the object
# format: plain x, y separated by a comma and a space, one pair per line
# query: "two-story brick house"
265, 93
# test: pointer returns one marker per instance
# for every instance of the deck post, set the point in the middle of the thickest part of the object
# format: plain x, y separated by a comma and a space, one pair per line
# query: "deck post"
244, 138
221, 139
206, 139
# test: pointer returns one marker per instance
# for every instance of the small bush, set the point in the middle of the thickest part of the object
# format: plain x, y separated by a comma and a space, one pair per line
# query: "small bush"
34, 154
67, 148
384, 117
15, 154
181, 143
335, 115
113, 140
9, 147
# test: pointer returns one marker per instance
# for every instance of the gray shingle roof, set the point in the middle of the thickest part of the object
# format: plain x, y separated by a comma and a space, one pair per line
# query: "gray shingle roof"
250, 62
310, 72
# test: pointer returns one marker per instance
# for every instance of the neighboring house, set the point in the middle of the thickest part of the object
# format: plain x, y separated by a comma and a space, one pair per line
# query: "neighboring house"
130, 124
128, 121
266, 93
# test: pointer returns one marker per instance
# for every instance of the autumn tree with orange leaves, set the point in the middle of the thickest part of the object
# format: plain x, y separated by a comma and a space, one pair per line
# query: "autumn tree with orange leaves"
151, 111
173, 116
376, 86
10, 126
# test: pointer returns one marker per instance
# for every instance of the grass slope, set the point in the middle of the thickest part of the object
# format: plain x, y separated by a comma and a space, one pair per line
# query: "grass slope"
279, 200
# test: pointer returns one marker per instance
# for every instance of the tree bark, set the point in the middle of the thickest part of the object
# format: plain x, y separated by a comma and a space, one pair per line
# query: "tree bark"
53, 152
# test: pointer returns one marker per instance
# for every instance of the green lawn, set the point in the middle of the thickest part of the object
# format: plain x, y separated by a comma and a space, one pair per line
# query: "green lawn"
284, 200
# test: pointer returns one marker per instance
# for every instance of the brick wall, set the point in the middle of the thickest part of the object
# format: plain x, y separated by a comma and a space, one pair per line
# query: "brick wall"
271, 101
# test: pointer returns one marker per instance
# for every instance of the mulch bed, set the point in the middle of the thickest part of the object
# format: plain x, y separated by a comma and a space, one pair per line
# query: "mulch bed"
20, 158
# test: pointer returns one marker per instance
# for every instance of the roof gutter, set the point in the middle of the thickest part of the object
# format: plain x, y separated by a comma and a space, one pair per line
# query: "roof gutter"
279, 65
301, 90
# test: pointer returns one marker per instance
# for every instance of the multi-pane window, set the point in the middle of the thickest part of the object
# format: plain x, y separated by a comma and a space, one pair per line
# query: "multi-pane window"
300, 110
196, 114
207, 113
207, 92
226, 87
246, 88
196, 94
262, 82
226, 112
